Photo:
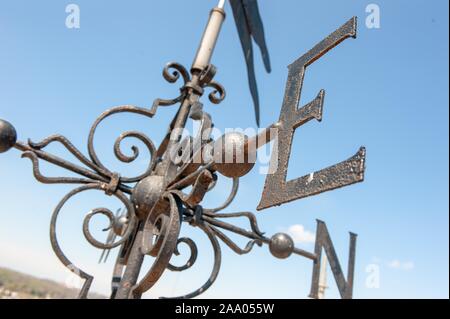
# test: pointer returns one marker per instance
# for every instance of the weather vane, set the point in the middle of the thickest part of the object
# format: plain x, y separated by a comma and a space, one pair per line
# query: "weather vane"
156, 203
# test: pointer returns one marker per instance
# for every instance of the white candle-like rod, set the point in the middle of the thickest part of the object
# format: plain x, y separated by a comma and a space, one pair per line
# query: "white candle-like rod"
209, 39
221, 4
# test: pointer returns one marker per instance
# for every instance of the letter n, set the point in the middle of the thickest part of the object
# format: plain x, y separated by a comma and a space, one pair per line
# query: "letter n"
323, 242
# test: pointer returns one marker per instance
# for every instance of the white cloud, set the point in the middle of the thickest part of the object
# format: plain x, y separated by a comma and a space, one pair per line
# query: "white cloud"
397, 264
301, 235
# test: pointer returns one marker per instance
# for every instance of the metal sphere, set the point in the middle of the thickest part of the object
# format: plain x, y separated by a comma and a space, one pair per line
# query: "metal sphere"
281, 245
8, 136
146, 194
231, 155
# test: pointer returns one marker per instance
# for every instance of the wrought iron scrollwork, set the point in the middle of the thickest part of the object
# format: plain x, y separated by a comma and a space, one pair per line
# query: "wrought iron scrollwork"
156, 205
216, 267
54, 240
166, 229
118, 153
192, 258
94, 176
173, 77
156, 201
218, 94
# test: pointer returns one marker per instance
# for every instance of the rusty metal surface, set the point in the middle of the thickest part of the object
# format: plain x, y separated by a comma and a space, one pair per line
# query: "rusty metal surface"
323, 242
156, 202
277, 190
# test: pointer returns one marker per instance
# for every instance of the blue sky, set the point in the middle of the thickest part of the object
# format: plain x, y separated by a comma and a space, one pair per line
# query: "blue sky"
386, 90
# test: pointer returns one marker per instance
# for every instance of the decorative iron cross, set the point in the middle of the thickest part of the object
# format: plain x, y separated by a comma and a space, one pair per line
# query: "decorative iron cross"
156, 203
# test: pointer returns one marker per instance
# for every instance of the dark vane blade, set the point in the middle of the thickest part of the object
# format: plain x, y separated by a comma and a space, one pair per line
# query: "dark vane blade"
257, 30
249, 25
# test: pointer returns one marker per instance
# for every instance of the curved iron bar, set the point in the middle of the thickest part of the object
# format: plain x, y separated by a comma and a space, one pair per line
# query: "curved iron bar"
34, 151
233, 245
52, 180
102, 178
257, 235
206, 221
128, 159
218, 89
251, 217
173, 77
69, 146
108, 245
95, 163
216, 268
167, 237
118, 153
196, 151
192, 258
39, 154
162, 226
228, 201
54, 240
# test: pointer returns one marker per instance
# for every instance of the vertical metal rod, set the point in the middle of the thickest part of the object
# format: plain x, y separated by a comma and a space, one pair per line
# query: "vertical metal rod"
209, 39
201, 62
132, 269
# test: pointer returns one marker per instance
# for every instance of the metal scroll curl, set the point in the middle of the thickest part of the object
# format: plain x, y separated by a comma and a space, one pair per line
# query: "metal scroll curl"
172, 77
192, 258
104, 211
218, 94
97, 172
216, 267
208, 221
171, 73
117, 151
160, 238
228, 201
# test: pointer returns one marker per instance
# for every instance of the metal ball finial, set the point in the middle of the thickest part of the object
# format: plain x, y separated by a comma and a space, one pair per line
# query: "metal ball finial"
281, 245
232, 156
8, 136
146, 194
